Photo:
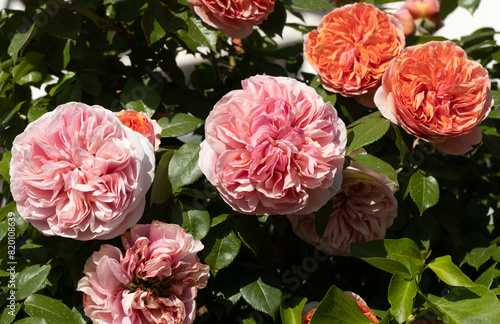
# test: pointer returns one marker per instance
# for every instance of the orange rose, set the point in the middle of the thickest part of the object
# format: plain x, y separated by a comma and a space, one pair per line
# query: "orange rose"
435, 93
352, 47
141, 123
233, 17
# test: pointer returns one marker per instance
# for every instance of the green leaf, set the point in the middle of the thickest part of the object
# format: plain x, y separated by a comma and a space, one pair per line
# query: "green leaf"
9, 314
178, 125
201, 34
30, 280
89, 83
321, 218
161, 189
34, 252
154, 22
221, 246
411, 254
291, 310
313, 5
250, 232
31, 320
469, 305
379, 166
470, 5
486, 278
477, 256
50, 309
138, 96
338, 308
402, 290
448, 272
21, 37
424, 190
27, 64
65, 24
196, 222
5, 165
261, 290
368, 132
36, 112
183, 168
382, 254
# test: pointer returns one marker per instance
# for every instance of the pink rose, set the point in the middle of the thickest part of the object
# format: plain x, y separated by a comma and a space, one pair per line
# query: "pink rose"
141, 123
422, 8
233, 17
156, 281
406, 20
434, 92
362, 211
273, 147
351, 49
78, 172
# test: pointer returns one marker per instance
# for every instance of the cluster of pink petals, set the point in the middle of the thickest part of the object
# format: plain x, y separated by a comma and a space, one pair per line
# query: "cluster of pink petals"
156, 281
414, 11
141, 123
434, 92
422, 8
352, 47
274, 147
362, 211
78, 172
306, 319
235, 18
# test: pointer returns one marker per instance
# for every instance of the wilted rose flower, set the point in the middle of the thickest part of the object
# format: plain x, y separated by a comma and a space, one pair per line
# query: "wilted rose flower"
156, 281
233, 17
352, 47
406, 20
141, 123
306, 319
422, 8
435, 93
362, 211
273, 147
78, 172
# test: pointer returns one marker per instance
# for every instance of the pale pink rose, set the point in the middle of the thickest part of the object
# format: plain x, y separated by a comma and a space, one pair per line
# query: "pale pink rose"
274, 147
156, 281
434, 92
406, 20
362, 211
351, 49
233, 17
141, 123
422, 8
78, 172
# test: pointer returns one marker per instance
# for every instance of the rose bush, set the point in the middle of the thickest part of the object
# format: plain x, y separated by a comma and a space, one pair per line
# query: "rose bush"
434, 92
155, 281
352, 47
78, 172
274, 147
362, 210
234, 18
